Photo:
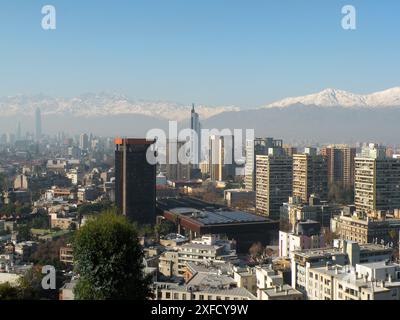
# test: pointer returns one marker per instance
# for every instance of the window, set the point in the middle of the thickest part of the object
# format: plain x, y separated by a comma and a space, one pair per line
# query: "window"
168, 295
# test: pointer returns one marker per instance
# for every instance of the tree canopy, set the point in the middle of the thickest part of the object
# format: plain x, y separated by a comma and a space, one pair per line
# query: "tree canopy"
108, 258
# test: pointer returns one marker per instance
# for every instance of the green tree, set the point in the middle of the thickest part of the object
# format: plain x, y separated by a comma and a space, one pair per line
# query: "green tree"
24, 232
41, 221
108, 258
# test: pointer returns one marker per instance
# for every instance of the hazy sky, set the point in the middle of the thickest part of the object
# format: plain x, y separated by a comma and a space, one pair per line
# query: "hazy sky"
217, 52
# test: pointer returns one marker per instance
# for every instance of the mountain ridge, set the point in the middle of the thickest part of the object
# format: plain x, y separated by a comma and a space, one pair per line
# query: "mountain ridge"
341, 98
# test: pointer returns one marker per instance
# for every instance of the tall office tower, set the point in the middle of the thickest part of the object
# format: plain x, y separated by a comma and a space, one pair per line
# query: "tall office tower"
340, 160
310, 175
38, 124
273, 182
84, 141
196, 138
258, 146
377, 180
176, 168
221, 159
135, 180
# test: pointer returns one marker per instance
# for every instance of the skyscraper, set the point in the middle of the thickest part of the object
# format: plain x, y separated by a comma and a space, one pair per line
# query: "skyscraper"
340, 159
258, 146
135, 180
221, 158
196, 137
377, 180
176, 170
84, 141
273, 182
310, 175
38, 124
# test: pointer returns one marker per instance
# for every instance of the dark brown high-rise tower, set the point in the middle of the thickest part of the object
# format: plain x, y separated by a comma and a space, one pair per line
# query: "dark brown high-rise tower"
135, 180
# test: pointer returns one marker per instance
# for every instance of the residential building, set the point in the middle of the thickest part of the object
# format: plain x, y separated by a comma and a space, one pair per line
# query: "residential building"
369, 281
366, 229
344, 253
377, 181
208, 249
66, 255
295, 210
310, 175
340, 164
306, 235
258, 146
273, 182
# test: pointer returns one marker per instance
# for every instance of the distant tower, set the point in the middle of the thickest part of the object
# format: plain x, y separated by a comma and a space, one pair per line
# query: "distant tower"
38, 124
196, 141
84, 141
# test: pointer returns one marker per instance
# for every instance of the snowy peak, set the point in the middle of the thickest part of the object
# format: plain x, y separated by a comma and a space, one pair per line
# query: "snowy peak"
102, 104
339, 98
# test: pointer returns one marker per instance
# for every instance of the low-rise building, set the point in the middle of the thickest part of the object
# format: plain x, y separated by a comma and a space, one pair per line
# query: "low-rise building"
208, 249
370, 281
66, 255
344, 253
306, 235
239, 198
295, 210
366, 229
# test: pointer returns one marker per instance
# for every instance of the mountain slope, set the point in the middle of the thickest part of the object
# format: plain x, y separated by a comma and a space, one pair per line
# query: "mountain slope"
103, 104
336, 98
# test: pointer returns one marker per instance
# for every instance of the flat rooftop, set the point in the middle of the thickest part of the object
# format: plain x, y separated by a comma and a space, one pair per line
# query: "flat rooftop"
207, 214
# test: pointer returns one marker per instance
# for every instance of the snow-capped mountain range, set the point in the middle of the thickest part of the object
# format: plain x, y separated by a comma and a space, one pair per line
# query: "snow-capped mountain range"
340, 98
103, 104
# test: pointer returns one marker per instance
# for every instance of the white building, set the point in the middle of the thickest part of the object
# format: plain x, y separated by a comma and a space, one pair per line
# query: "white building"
371, 281
307, 235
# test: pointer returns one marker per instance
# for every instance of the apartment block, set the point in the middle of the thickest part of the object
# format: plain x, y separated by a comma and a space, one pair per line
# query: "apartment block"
340, 164
258, 146
310, 176
273, 183
377, 181
370, 281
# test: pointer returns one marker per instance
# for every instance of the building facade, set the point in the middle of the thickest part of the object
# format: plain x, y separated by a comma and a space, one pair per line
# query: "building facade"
135, 180
377, 181
273, 183
340, 165
258, 146
310, 176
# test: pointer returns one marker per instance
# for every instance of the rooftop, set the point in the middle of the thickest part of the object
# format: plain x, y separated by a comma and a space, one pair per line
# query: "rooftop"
205, 213
285, 290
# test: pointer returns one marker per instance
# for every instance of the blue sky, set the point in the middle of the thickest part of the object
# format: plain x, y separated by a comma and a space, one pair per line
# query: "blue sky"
217, 52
